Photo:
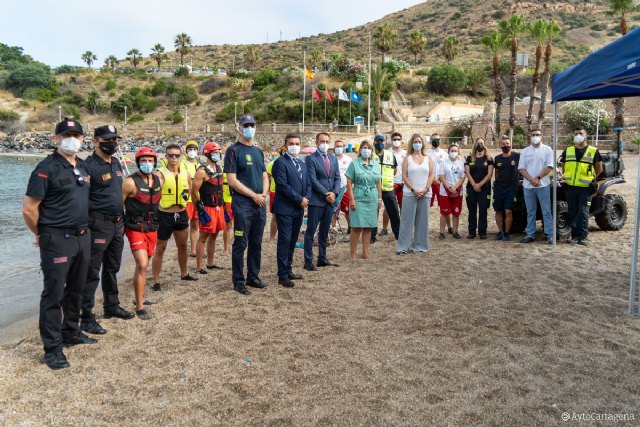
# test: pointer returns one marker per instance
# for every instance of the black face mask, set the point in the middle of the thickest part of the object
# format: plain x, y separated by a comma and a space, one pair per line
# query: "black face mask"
108, 148
479, 148
379, 146
506, 149
435, 143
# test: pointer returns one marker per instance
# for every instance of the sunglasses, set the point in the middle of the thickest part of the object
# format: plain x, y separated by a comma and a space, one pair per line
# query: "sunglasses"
173, 156
78, 176
248, 125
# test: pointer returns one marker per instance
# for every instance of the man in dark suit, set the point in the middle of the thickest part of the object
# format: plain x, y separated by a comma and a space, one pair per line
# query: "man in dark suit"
293, 192
324, 175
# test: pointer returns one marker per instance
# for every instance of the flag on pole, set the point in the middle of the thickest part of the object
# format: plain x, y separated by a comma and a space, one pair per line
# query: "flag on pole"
355, 97
327, 96
315, 94
308, 73
342, 95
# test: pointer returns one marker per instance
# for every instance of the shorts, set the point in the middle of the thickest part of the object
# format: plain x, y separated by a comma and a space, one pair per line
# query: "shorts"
272, 197
192, 212
228, 212
217, 222
503, 201
171, 221
344, 202
450, 205
397, 190
142, 240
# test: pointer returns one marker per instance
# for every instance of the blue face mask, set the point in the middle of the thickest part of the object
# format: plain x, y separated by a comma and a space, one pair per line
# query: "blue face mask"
338, 150
366, 153
147, 167
248, 133
215, 158
417, 146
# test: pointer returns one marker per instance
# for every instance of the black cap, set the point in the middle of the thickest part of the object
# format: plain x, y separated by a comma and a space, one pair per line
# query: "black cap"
106, 132
68, 125
378, 138
247, 119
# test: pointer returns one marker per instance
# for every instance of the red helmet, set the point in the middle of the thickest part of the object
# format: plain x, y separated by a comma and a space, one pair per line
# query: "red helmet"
146, 151
210, 147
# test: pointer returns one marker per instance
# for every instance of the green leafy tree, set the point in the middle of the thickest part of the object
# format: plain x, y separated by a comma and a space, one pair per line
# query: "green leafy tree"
251, 56
158, 54
552, 33
416, 43
315, 58
134, 56
446, 80
385, 37
450, 48
27, 77
88, 57
586, 113
182, 43
538, 33
495, 42
512, 29
111, 62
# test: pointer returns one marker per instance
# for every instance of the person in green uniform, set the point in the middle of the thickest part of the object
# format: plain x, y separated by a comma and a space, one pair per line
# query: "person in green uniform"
365, 197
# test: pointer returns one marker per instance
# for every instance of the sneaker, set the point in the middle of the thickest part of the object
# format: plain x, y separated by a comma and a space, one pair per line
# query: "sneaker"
384, 232
156, 287
573, 241
441, 236
483, 237
450, 230
500, 236
528, 239
143, 314
506, 237
471, 236
189, 277
202, 271
583, 242
456, 235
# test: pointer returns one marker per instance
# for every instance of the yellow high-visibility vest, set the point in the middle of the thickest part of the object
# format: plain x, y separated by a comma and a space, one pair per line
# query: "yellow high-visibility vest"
579, 173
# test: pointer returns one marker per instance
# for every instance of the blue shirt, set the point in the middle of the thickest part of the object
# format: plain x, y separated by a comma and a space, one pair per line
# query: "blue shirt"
247, 162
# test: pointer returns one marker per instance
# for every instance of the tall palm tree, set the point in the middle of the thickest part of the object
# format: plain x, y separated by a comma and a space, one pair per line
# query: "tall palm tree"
111, 62
88, 57
538, 33
251, 55
512, 28
450, 48
315, 58
385, 37
620, 8
552, 33
495, 42
158, 53
379, 79
416, 43
182, 44
134, 56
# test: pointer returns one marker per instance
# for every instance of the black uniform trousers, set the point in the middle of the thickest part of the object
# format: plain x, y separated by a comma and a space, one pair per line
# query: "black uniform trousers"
107, 243
579, 204
64, 258
248, 223
288, 232
391, 206
478, 204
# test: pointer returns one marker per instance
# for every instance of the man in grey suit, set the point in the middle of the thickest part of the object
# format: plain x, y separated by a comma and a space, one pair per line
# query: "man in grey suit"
324, 176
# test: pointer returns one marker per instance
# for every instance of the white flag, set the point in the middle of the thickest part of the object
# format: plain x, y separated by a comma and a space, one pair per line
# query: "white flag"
342, 95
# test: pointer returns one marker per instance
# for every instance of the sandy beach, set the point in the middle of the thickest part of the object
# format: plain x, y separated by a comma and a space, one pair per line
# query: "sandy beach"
473, 332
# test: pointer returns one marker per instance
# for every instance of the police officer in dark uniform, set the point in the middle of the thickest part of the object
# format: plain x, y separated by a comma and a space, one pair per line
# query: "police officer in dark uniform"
106, 221
56, 210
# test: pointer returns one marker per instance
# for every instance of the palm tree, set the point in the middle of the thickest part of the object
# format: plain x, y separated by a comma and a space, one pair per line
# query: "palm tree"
450, 48
495, 42
315, 58
158, 53
88, 57
134, 56
182, 44
552, 32
621, 8
385, 37
379, 79
111, 62
538, 33
416, 44
92, 100
251, 55
512, 28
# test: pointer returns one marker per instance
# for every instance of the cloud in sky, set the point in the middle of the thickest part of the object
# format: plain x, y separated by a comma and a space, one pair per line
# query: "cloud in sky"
58, 33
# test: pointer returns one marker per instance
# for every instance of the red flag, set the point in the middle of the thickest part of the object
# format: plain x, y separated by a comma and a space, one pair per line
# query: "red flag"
315, 94
328, 96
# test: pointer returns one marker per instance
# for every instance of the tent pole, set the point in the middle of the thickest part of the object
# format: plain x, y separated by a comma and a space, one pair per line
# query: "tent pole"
634, 256
554, 199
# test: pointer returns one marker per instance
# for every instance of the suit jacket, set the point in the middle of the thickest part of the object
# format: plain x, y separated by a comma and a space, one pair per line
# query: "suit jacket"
290, 189
321, 181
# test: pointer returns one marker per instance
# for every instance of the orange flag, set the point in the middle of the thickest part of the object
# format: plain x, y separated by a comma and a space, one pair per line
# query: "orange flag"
315, 94
308, 73
328, 96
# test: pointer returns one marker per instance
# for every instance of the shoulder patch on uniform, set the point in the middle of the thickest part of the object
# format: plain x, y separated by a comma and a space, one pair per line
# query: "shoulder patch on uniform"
43, 175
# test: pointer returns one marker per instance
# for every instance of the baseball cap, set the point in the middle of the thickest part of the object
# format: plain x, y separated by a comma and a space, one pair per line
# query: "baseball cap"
378, 138
106, 132
68, 125
192, 144
247, 119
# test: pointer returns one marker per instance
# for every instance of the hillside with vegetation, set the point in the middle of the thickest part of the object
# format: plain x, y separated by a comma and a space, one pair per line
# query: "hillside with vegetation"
458, 50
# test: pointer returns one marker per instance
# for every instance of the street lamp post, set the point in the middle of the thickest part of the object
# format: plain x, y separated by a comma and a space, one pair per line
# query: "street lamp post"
125, 117
186, 119
59, 113
235, 113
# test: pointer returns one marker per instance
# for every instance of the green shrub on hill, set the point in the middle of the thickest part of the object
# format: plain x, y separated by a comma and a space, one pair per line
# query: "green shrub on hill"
175, 117
8, 116
446, 80
28, 76
110, 85
184, 95
265, 78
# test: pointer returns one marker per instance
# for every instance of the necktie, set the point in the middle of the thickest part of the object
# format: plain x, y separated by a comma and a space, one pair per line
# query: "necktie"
297, 163
326, 164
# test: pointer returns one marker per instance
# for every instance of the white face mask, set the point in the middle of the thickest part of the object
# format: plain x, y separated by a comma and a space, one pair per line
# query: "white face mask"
578, 139
338, 151
192, 154
453, 155
70, 145
396, 143
294, 150
323, 147
535, 140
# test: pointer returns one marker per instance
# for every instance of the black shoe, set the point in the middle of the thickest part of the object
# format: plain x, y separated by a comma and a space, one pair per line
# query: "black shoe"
471, 236
506, 237
202, 271
55, 360
118, 312
145, 302
189, 278
528, 239
241, 289
92, 327
143, 314
583, 242
456, 235
326, 263
310, 267
80, 338
573, 241
450, 230
293, 276
483, 237
384, 232
156, 287
373, 240
288, 283
441, 236
256, 283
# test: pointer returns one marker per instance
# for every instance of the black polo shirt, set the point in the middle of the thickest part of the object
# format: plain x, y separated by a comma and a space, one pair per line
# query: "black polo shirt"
507, 174
65, 200
478, 170
247, 162
105, 194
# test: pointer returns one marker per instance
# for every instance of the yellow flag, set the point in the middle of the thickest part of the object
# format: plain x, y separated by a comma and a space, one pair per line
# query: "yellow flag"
308, 73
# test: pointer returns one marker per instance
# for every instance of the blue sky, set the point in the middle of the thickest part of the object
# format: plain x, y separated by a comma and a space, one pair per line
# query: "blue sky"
59, 32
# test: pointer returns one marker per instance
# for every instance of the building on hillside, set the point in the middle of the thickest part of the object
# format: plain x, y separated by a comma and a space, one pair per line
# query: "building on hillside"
447, 111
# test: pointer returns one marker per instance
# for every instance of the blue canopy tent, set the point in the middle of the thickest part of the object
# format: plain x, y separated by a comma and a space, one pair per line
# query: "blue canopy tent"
610, 72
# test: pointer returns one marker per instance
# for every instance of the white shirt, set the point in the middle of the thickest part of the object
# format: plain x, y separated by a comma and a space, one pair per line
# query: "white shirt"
452, 171
399, 158
343, 163
438, 155
534, 161
418, 175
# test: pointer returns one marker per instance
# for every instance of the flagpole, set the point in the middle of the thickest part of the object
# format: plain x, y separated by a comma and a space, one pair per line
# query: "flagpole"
325, 105
369, 88
350, 121
312, 98
338, 107
304, 84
